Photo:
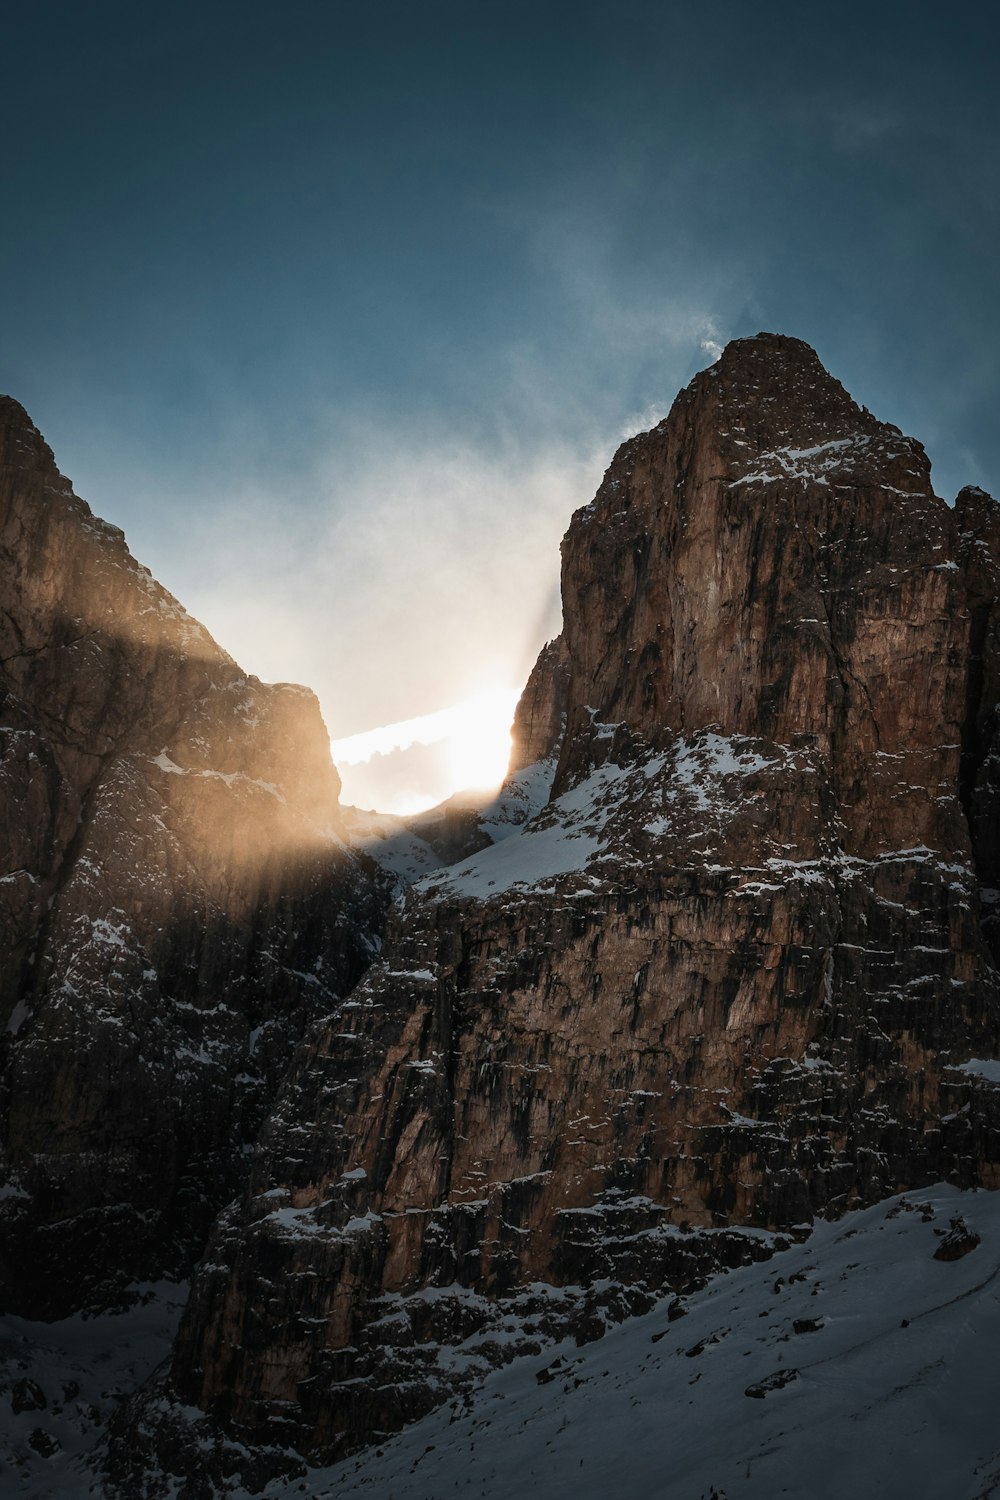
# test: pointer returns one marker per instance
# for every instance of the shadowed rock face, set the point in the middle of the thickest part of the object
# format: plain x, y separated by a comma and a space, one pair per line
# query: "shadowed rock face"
540, 717
977, 521
719, 984
175, 900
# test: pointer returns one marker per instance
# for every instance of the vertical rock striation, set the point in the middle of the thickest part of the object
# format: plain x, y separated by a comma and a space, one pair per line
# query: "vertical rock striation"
175, 900
723, 982
977, 519
540, 717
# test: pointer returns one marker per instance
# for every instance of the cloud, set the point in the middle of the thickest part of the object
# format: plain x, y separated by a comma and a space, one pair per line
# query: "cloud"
709, 339
399, 781
404, 570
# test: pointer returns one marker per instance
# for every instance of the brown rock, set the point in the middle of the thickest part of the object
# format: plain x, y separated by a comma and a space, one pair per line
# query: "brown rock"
710, 991
540, 716
175, 903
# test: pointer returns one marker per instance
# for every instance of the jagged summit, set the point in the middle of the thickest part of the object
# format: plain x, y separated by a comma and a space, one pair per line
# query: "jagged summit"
25, 455
13, 414
733, 554
770, 412
782, 415
972, 495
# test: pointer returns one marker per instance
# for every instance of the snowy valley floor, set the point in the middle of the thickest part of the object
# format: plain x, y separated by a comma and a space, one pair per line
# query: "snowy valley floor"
888, 1391
67, 1379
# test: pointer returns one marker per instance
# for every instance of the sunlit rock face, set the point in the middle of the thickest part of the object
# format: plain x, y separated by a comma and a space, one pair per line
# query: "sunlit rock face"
540, 718
800, 573
176, 900
718, 985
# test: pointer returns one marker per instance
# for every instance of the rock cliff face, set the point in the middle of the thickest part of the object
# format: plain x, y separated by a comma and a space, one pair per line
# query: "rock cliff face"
540, 718
175, 903
977, 520
721, 983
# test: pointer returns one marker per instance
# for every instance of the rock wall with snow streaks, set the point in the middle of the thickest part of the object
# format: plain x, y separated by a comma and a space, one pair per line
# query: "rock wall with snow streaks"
176, 901
721, 983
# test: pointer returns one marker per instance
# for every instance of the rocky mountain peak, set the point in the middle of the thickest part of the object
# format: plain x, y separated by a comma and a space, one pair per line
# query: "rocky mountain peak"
24, 453
772, 403
782, 380
173, 900
17, 424
976, 513
754, 564
735, 973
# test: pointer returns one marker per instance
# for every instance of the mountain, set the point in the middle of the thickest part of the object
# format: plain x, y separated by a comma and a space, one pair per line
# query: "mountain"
177, 904
737, 973
750, 1389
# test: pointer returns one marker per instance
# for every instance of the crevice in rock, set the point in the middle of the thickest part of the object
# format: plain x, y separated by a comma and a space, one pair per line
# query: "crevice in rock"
974, 743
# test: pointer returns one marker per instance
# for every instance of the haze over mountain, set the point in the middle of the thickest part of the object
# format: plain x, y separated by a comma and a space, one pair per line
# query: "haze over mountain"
338, 313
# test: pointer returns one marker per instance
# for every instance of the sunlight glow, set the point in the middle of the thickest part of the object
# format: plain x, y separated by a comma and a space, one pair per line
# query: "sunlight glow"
478, 742
473, 740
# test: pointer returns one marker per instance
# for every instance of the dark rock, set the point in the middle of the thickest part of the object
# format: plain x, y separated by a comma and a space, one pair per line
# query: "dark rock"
175, 904
27, 1395
558, 1369
44, 1443
959, 1240
775, 1382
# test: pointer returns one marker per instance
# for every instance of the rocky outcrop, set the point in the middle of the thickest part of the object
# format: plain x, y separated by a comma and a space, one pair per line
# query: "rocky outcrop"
540, 717
176, 900
720, 984
977, 520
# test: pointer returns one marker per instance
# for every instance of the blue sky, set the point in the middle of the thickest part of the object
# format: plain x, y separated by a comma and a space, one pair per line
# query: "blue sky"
340, 310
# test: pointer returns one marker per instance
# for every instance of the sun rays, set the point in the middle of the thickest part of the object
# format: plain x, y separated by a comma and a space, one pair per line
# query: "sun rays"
408, 766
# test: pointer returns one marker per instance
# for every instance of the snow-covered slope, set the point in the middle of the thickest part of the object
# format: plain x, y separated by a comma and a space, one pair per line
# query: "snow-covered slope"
523, 794
854, 1364
392, 844
410, 848
60, 1383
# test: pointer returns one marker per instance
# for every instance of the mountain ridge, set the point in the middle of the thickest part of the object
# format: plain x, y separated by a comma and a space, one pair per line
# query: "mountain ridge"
719, 960
168, 821
721, 981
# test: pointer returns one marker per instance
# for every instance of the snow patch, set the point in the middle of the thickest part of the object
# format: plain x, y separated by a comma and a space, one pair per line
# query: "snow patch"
892, 1351
979, 1067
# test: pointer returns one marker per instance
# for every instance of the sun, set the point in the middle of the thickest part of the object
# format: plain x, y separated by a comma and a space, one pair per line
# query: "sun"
409, 766
477, 745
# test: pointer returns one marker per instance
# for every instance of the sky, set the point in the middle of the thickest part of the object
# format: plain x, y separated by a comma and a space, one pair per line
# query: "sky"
340, 310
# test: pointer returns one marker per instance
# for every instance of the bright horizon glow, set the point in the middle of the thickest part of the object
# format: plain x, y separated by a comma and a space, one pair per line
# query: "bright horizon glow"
474, 741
